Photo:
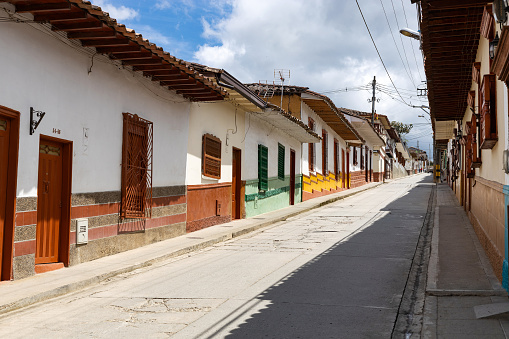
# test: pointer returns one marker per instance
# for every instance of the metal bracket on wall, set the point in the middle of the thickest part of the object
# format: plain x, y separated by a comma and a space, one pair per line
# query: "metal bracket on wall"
33, 123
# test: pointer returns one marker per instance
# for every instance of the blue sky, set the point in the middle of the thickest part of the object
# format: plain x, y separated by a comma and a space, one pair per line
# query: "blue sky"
324, 43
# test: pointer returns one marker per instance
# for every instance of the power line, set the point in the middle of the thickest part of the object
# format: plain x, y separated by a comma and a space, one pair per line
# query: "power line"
411, 42
395, 44
374, 44
403, 45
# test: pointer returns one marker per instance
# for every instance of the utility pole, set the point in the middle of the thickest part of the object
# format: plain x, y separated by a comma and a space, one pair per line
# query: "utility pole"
373, 99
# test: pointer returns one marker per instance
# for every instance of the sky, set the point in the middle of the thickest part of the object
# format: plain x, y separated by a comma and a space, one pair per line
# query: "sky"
324, 44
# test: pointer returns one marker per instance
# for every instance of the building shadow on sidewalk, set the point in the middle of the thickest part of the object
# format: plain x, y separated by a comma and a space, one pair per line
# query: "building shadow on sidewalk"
352, 290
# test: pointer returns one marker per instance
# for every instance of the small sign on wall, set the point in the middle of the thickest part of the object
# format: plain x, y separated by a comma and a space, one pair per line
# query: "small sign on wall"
82, 231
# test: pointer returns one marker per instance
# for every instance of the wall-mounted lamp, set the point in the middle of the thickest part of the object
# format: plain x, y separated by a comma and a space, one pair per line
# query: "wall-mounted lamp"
493, 46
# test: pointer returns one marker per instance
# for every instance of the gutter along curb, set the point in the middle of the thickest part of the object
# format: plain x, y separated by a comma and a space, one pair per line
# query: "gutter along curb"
29, 291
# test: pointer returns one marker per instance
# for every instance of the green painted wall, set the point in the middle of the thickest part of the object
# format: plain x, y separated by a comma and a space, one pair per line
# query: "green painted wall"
276, 197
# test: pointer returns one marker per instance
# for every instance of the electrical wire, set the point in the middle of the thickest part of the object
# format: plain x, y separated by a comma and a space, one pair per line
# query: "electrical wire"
411, 43
402, 44
395, 44
374, 44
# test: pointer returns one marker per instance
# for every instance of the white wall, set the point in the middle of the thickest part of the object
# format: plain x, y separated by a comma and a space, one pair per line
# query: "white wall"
306, 113
261, 132
217, 119
42, 71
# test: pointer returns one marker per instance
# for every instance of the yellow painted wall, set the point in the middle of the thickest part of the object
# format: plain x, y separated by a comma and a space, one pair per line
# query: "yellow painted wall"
316, 182
291, 104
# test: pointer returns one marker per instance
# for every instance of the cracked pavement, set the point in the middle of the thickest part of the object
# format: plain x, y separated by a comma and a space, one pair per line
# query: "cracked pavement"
337, 271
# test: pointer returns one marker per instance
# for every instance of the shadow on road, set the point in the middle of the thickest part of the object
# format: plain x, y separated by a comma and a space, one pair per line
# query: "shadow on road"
352, 290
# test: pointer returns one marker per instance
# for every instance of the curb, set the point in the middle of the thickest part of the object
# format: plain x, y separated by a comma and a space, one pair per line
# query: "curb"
221, 237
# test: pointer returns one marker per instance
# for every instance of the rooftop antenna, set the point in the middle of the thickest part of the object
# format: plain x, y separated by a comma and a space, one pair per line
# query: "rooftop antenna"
280, 76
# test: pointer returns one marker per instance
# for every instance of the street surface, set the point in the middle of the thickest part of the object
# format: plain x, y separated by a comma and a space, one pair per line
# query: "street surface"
339, 271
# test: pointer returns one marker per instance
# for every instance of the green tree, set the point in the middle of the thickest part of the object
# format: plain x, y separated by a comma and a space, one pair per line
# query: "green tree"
401, 128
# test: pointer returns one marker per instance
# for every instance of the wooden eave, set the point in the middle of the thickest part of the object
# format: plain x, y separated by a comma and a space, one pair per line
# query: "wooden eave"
96, 29
450, 32
333, 118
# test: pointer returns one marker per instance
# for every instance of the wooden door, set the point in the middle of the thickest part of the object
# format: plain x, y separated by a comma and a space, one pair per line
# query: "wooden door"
236, 178
336, 168
343, 182
347, 170
4, 164
292, 177
366, 163
49, 202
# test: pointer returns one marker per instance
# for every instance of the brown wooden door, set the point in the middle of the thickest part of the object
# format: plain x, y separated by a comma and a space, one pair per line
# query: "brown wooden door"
4, 164
343, 182
292, 177
236, 178
347, 169
49, 202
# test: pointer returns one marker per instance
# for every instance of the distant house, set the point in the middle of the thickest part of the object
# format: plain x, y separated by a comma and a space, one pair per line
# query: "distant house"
243, 155
96, 119
325, 165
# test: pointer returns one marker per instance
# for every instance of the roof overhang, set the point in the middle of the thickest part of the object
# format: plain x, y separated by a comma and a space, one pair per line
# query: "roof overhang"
287, 123
450, 32
367, 131
80, 20
403, 150
328, 112
444, 130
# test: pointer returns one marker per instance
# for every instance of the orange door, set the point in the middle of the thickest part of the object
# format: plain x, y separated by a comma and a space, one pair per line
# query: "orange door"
236, 163
4, 150
49, 202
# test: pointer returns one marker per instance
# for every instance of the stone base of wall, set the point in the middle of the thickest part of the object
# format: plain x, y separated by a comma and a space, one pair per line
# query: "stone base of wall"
496, 259
358, 178
123, 242
23, 266
196, 225
378, 176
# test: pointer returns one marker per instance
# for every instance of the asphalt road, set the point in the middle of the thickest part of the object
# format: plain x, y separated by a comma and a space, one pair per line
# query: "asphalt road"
339, 271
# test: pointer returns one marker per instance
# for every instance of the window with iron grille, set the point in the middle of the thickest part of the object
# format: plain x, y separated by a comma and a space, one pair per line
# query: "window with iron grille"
336, 159
312, 156
355, 160
362, 158
280, 161
263, 168
488, 99
325, 153
136, 191
211, 156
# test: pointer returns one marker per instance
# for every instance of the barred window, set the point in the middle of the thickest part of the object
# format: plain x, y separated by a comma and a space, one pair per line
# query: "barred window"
136, 190
325, 153
211, 157
312, 155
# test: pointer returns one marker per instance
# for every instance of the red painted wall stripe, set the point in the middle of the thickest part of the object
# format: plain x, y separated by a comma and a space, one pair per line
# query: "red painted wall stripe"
24, 248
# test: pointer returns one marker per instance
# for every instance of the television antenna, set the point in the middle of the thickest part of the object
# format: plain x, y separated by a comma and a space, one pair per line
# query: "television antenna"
280, 76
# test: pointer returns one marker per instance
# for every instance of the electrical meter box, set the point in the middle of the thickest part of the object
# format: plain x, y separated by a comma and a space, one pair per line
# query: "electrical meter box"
81, 231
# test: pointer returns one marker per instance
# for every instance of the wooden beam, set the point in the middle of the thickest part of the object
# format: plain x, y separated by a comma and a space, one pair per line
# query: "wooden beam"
42, 7
133, 55
93, 35
134, 62
106, 42
114, 49
169, 77
156, 73
148, 68
78, 26
60, 16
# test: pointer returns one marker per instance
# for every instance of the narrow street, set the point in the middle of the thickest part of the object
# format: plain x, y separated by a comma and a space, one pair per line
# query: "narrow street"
339, 271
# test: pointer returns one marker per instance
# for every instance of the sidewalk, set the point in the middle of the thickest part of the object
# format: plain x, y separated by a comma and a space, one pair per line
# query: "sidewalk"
460, 279
24, 292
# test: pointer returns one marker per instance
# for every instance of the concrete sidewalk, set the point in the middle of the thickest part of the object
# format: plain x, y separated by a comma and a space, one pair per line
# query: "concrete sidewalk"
21, 293
460, 279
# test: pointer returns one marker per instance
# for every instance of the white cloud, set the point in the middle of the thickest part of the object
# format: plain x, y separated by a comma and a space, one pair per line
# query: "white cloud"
324, 43
120, 13
152, 35
163, 4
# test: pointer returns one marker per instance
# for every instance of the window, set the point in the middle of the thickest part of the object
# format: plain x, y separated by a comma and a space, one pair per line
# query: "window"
312, 156
355, 160
280, 161
136, 191
263, 168
488, 136
211, 159
325, 153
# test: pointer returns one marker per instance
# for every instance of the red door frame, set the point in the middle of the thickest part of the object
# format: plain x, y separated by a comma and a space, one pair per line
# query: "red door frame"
292, 177
10, 202
236, 182
65, 218
343, 183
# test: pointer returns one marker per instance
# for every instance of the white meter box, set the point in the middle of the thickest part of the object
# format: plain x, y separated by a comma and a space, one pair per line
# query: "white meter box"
82, 231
